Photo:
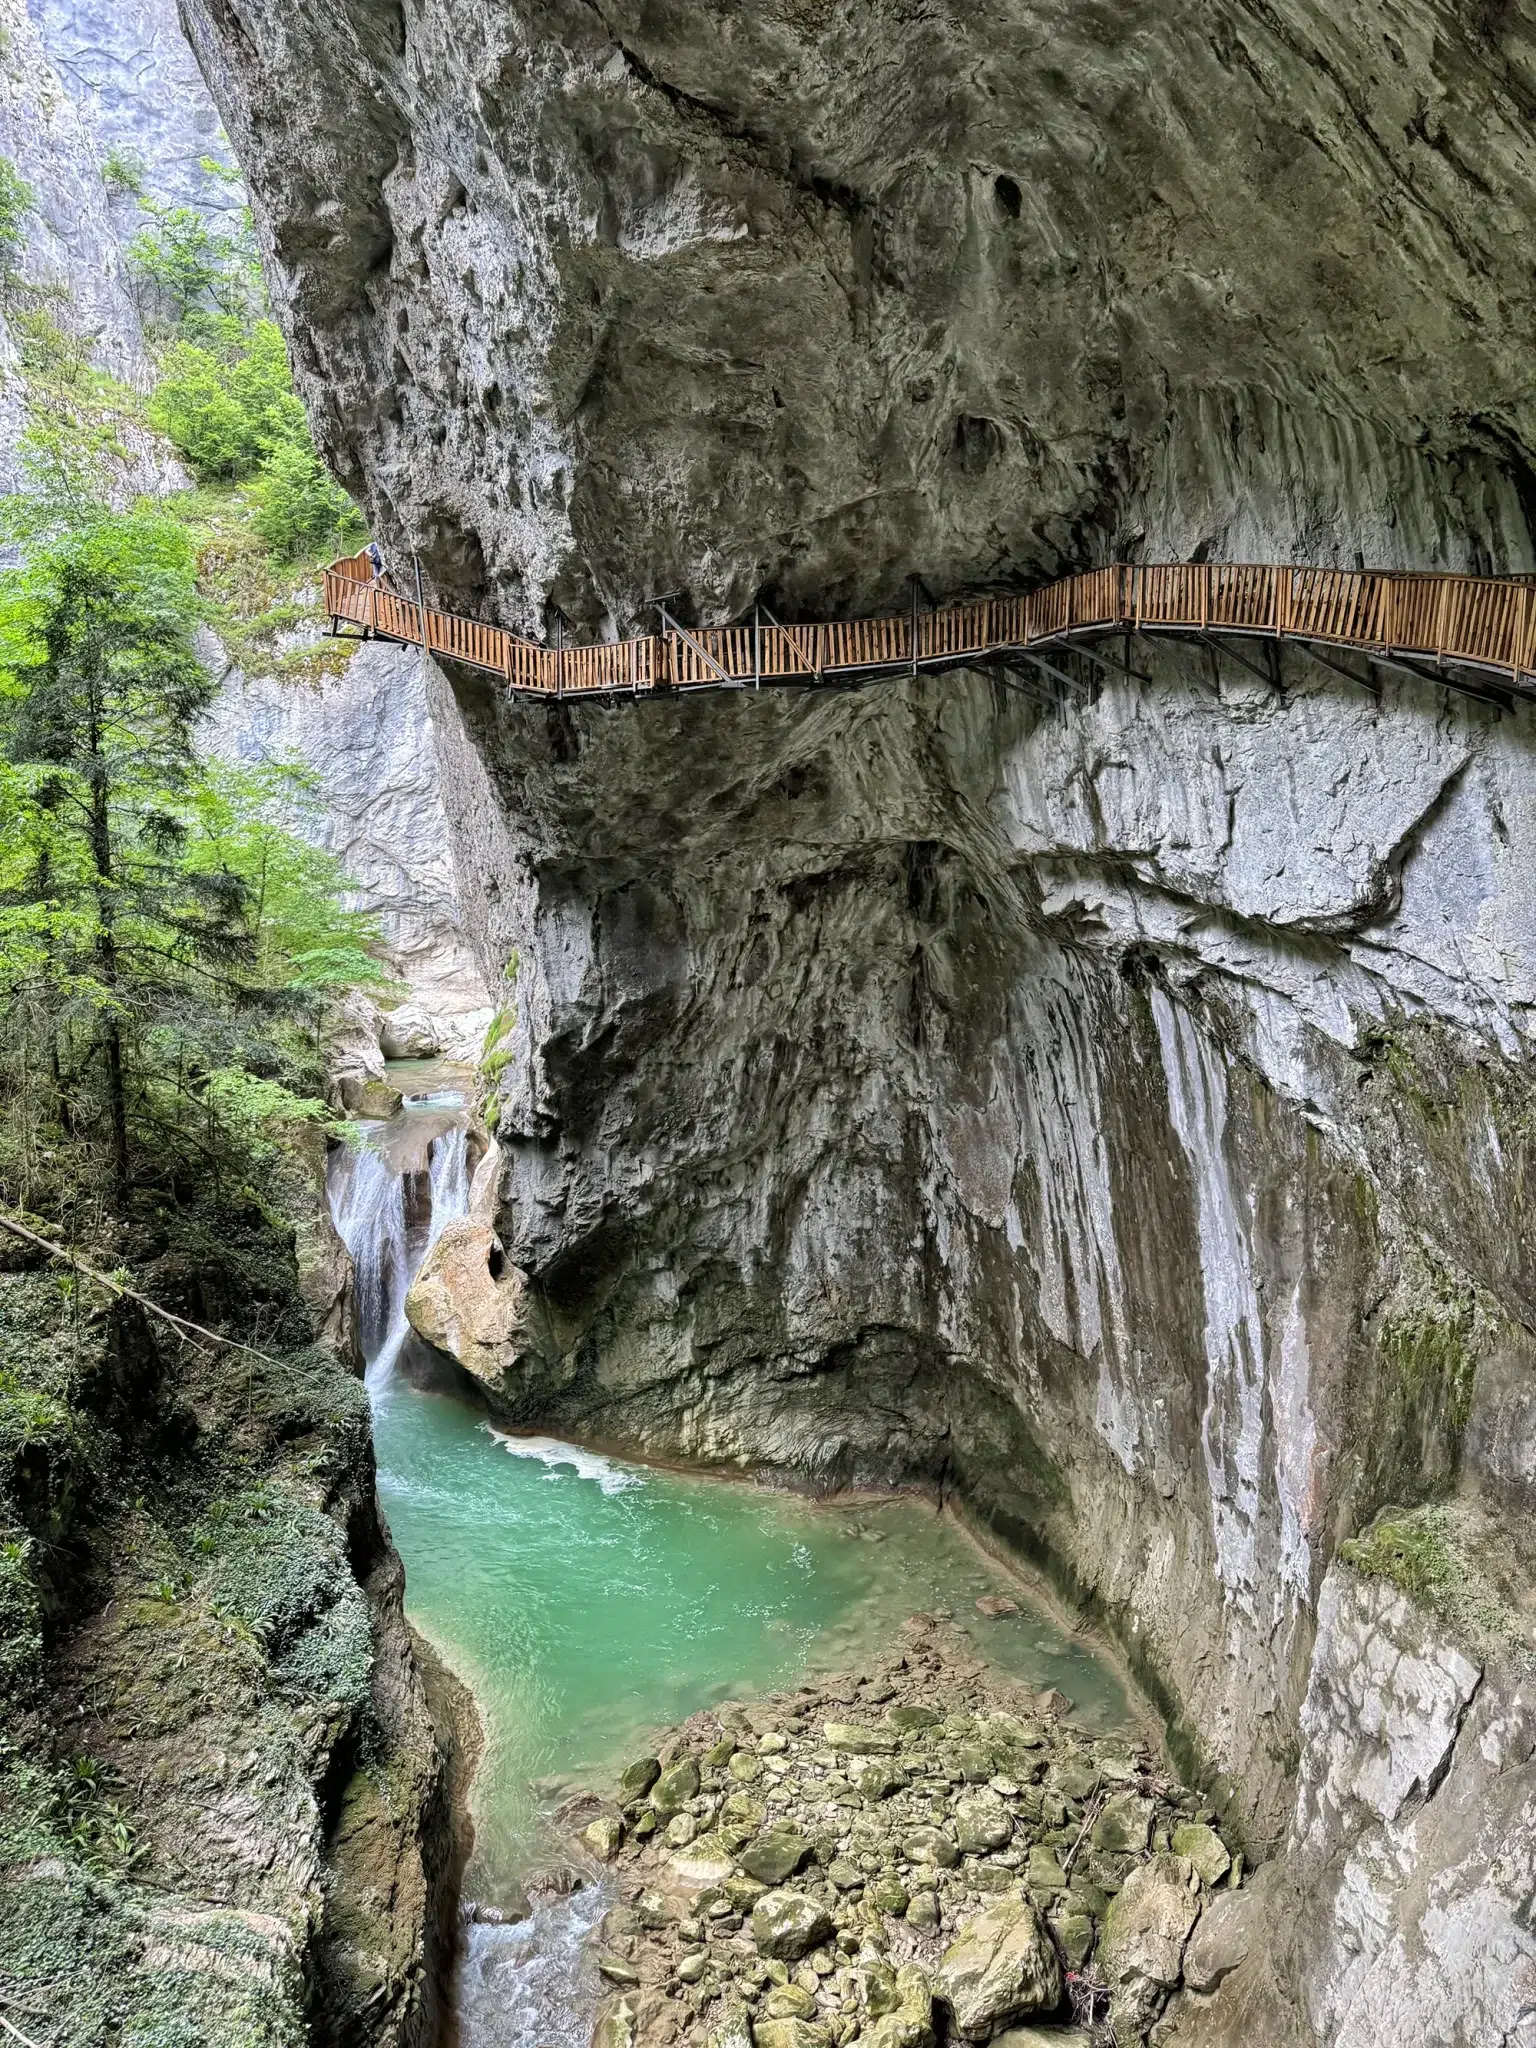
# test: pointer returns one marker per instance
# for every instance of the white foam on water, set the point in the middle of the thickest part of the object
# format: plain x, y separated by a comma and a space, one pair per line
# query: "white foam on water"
534, 1984
547, 1450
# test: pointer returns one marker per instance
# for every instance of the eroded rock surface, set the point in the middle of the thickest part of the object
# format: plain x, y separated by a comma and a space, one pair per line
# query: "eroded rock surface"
598, 301
366, 736
1111, 1100
1414, 1842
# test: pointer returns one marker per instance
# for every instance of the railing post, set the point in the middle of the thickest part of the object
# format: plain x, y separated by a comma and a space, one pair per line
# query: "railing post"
559, 654
1285, 601
421, 608
1441, 607
1525, 657
757, 647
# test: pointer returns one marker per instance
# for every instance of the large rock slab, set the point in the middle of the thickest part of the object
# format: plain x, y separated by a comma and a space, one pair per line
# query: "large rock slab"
1141, 1955
1002, 1967
787, 1925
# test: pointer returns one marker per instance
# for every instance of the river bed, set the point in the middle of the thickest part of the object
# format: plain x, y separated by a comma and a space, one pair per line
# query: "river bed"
586, 1600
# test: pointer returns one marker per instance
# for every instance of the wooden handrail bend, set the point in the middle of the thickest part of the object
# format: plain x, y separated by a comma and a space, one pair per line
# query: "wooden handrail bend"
1486, 623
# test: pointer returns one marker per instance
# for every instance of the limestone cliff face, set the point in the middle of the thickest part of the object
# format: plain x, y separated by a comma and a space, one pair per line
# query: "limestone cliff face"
127, 66
1114, 1109
593, 302
367, 737
1116, 1104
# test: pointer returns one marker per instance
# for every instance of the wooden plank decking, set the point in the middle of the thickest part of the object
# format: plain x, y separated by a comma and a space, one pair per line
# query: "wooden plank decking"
1486, 623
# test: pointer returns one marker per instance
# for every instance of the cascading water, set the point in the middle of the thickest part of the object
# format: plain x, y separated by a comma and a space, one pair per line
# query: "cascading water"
388, 1211
587, 1602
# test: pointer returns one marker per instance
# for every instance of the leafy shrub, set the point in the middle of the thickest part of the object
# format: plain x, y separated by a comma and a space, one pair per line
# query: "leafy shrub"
122, 172
298, 504
193, 269
227, 402
15, 205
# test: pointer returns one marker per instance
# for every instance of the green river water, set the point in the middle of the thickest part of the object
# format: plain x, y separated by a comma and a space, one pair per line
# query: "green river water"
588, 1602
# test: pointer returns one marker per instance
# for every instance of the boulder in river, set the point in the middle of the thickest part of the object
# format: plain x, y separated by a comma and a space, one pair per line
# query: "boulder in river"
775, 1854
843, 1737
1141, 1954
908, 2020
603, 1836
1205, 1849
931, 1845
878, 1777
704, 1862
674, 1788
982, 1823
1123, 1828
639, 1777
617, 2023
732, 2029
1229, 1926
789, 2034
787, 1925
1003, 1967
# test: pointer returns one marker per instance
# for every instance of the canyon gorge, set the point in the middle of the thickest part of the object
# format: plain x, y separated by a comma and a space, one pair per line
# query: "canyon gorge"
1099, 1100
1112, 1109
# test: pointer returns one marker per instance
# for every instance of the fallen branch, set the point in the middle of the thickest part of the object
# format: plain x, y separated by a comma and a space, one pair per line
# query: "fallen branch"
25, 2039
1094, 1807
178, 1323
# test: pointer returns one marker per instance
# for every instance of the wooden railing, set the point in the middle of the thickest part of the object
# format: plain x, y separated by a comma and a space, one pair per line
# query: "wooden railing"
1480, 622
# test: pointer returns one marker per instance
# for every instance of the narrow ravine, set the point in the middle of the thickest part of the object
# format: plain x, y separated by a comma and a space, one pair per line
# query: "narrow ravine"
586, 1601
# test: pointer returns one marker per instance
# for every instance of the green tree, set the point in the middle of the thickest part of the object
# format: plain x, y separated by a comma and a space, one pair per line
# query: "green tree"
227, 401
298, 503
122, 172
193, 269
165, 946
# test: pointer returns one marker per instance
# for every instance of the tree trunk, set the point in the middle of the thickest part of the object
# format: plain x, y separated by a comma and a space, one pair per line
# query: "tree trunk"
106, 960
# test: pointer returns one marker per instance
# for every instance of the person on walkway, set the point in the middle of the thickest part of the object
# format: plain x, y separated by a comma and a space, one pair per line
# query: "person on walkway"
375, 556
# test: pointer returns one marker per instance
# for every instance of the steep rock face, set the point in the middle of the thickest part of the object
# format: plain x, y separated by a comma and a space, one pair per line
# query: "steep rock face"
1114, 1104
70, 243
367, 737
128, 66
1019, 1097
69, 265
1414, 1842
593, 302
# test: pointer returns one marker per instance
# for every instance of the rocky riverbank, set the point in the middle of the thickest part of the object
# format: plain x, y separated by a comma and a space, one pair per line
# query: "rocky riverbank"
911, 1853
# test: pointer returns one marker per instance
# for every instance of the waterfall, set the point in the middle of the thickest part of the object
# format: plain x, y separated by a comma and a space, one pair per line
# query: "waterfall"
389, 1216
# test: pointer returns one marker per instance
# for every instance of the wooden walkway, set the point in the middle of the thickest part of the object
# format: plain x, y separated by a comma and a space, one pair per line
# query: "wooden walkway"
1479, 625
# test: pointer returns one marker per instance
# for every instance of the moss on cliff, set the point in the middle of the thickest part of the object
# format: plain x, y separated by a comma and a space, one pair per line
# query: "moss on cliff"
1459, 1564
205, 1679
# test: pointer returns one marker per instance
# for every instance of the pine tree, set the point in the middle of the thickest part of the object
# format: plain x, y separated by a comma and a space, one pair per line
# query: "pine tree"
159, 934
